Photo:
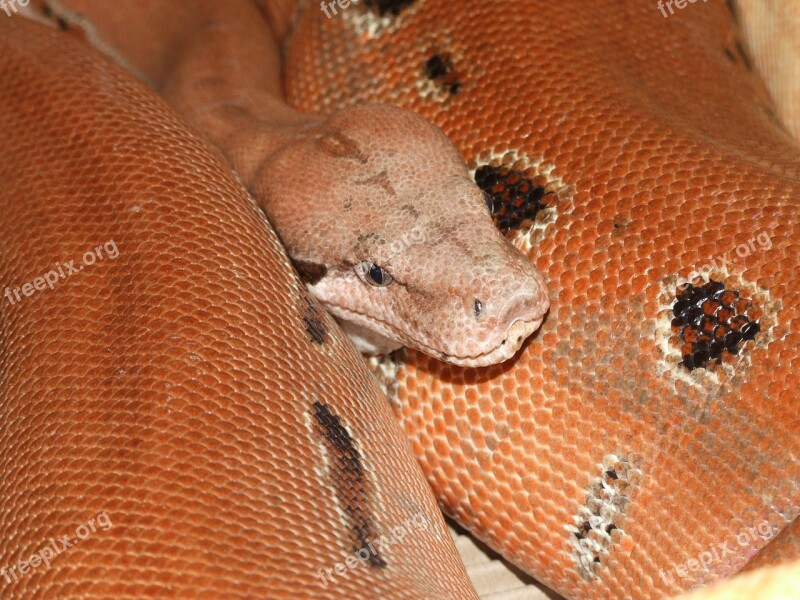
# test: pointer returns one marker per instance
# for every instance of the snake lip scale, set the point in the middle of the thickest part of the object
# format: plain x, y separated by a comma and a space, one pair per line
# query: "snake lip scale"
509, 344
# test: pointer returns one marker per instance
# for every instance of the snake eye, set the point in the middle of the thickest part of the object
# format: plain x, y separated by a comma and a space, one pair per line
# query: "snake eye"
487, 198
374, 274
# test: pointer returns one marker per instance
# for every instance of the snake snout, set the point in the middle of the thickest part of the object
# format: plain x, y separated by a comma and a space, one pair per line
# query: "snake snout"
523, 313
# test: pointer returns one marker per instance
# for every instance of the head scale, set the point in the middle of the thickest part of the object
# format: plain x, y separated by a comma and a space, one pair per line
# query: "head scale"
377, 210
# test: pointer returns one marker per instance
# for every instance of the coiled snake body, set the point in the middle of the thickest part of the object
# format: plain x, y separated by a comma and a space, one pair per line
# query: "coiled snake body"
653, 419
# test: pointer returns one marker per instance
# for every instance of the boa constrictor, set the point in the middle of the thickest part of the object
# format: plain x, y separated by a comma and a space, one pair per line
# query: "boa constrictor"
652, 422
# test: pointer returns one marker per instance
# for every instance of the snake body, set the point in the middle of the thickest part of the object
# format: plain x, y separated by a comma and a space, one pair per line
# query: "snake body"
360, 198
190, 388
613, 450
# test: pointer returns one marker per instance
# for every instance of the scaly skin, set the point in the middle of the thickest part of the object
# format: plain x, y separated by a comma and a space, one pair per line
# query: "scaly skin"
701, 464
173, 386
769, 583
663, 155
368, 189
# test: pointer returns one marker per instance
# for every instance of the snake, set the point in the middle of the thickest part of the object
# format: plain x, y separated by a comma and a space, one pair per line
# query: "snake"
642, 443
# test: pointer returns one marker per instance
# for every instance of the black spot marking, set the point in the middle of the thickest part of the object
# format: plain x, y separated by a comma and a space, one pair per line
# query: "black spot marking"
731, 6
313, 321
621, 222
385, 7
585, 528
739, 55
516, 199
59, 21
710, 320
604, 510
440, 69
743, 55
349, 481
310, 272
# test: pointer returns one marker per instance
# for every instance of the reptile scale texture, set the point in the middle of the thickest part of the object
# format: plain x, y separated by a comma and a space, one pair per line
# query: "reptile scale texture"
175, 388
596, 461
189, 387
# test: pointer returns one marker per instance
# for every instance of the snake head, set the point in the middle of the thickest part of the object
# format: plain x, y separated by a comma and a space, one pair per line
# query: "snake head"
379, 214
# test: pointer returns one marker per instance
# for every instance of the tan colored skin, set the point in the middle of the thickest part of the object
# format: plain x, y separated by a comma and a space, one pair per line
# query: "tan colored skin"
413, 209
651, 153
172, 387
772, 34
665, 154
371, 185
768, 583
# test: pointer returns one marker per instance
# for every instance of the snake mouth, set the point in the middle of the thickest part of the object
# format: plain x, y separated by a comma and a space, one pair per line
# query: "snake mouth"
511, 343
505, 349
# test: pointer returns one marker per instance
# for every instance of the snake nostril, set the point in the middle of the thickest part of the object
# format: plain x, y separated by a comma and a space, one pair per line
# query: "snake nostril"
522, 306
